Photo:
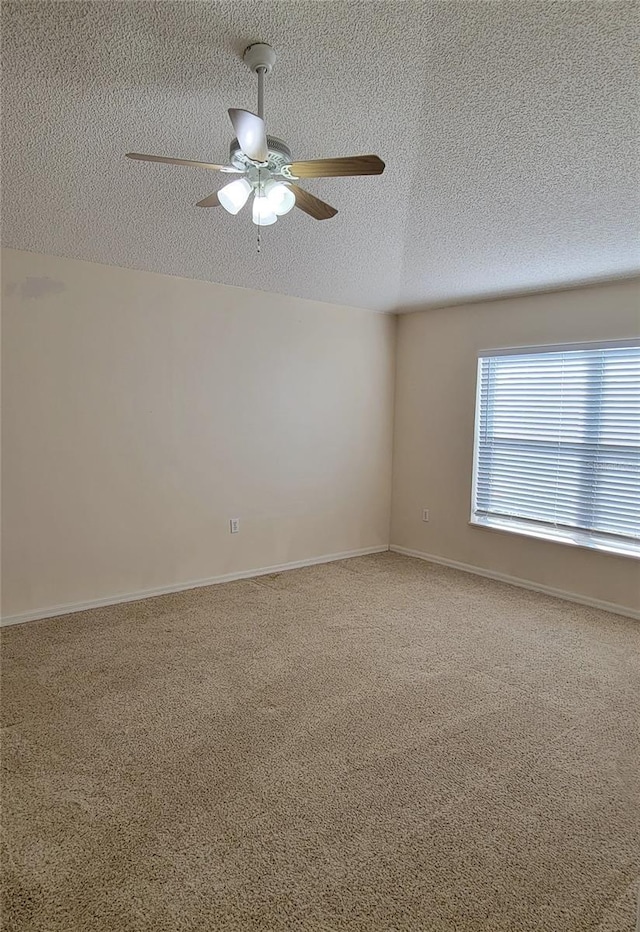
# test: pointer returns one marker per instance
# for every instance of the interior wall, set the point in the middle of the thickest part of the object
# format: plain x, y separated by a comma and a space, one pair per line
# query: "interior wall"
141, 412
434, 429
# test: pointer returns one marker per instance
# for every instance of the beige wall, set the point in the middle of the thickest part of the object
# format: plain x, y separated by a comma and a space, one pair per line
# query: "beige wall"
141, 412
433, 446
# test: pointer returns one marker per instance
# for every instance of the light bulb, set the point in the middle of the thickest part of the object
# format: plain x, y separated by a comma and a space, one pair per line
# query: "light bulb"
234, 196
263, 213
280, 197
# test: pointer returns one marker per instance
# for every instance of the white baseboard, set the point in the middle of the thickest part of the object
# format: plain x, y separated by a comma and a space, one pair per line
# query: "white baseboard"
521, 583
55, 610
73, 607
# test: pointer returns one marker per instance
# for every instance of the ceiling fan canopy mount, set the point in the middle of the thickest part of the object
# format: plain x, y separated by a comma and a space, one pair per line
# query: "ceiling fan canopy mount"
260, 57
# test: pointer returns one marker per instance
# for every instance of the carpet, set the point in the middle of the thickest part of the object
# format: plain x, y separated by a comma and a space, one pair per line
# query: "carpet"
373, 745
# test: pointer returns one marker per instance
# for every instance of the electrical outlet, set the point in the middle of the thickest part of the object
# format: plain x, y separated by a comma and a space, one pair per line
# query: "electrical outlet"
425, 514
234, 525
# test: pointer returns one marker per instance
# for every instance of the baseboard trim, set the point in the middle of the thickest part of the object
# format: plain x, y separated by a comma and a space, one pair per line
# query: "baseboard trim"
521, 583
72, 607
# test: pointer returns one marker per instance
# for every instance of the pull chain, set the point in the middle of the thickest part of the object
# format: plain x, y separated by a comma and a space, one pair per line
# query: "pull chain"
260, 71
259, 189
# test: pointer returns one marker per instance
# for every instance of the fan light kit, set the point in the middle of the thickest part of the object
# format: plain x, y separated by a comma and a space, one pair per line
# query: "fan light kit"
265, 164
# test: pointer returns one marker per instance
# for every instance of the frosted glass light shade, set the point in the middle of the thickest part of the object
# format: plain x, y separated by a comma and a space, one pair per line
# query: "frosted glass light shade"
280, 197
234, 196
263, 213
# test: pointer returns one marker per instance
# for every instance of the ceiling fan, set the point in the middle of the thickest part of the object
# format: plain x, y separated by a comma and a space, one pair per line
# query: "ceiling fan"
265, 164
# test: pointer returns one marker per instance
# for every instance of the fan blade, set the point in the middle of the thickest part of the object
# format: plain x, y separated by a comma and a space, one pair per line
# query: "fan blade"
336, 168
190, 162
312, 205
251, 134
212, 201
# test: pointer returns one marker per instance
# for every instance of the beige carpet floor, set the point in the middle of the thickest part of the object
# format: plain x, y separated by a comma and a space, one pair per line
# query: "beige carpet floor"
375, 744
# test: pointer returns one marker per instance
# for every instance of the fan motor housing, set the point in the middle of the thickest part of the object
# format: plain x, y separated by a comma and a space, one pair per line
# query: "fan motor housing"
279, 155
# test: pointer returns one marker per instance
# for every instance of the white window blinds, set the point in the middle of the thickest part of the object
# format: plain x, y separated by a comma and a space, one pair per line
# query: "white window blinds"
558, 444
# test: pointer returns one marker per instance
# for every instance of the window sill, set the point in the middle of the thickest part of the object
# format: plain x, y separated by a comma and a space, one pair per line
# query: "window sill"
578, 539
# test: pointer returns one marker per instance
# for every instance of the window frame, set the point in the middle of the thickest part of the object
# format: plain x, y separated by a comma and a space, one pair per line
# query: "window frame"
523, 527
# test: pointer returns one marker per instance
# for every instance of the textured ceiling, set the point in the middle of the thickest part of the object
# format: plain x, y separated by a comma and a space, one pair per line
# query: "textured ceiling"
509, 132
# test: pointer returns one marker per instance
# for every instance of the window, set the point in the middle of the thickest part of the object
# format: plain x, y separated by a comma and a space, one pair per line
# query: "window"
557, 445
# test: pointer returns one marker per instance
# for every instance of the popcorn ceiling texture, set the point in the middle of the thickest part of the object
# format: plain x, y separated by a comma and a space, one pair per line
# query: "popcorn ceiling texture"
508, 130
